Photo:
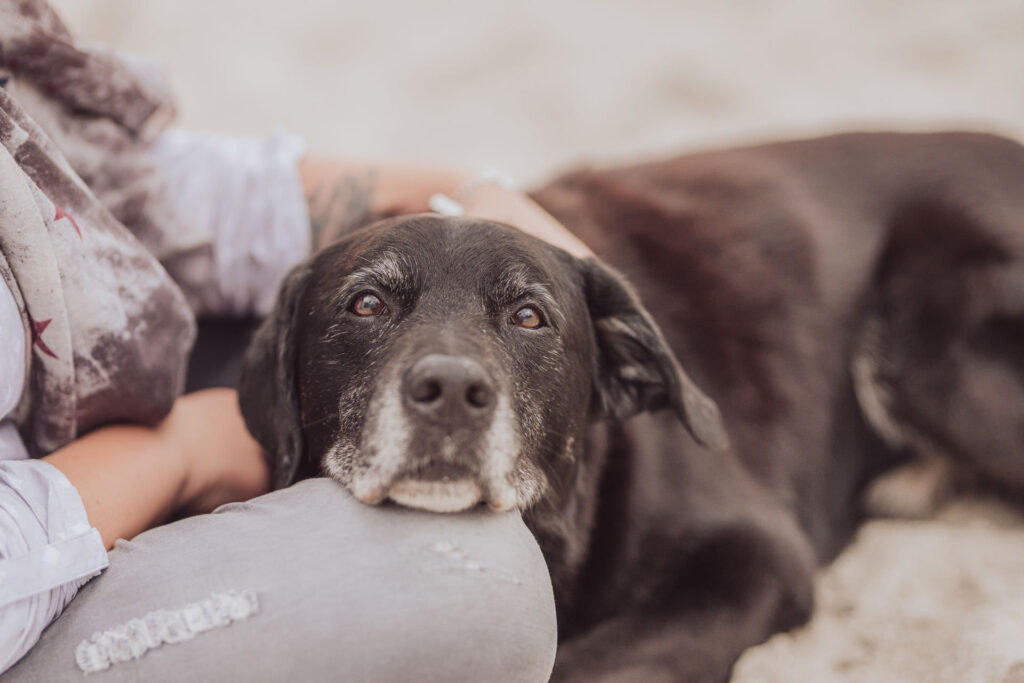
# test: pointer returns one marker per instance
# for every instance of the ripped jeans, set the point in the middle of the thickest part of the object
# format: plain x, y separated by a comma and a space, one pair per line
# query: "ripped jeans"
307, 584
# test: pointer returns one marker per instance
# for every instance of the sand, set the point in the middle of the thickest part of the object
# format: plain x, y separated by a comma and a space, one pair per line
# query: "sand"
937, 601
532, 87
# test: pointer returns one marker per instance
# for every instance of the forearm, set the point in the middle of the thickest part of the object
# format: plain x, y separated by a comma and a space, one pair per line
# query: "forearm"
199, 457
344, 195
129, 478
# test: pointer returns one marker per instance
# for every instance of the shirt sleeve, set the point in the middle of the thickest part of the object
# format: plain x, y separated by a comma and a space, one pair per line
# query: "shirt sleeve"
47, 551
241, 201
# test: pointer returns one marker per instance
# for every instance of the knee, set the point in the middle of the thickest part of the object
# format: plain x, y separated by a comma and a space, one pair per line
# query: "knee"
462, 626
345, 592
388, 594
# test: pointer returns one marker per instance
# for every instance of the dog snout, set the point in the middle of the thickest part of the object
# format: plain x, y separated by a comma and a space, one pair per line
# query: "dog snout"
450, 390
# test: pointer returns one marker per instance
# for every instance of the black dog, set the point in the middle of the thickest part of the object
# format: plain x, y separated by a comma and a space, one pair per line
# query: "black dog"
844, 301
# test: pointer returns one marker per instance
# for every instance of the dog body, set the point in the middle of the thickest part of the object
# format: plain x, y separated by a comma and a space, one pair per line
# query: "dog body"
846, 302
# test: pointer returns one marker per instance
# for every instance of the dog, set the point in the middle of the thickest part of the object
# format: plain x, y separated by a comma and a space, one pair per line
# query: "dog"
687, 425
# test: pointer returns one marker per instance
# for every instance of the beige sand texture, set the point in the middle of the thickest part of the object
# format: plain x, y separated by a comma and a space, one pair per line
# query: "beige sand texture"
534, 86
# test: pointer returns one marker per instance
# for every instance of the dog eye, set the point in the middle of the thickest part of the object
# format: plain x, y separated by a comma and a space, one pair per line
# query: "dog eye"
528, 317
368, 304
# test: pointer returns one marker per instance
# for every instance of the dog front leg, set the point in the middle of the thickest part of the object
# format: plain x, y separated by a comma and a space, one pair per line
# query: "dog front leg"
738, 588
687, 647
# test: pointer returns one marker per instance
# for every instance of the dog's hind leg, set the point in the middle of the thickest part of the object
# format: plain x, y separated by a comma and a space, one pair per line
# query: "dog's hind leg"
953, 363
987, 410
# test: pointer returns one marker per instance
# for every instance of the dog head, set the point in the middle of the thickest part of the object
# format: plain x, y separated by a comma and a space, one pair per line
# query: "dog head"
443, 362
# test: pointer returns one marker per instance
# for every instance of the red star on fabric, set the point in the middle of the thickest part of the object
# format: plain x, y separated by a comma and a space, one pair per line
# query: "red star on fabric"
37, 336
59, 213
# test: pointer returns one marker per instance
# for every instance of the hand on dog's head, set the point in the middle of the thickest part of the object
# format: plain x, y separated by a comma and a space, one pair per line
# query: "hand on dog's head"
442, 362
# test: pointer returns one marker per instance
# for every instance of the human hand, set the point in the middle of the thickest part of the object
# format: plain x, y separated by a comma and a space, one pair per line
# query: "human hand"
515, 208
222, 462
344, 194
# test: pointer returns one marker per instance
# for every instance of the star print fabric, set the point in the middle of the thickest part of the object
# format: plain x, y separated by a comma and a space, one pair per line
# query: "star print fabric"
109, 330
92, 329
114, 233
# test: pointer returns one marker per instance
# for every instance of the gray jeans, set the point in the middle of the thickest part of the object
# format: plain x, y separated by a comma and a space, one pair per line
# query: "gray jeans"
307, 584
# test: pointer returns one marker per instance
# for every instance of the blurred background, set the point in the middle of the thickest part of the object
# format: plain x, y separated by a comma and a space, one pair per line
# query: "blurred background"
533, 86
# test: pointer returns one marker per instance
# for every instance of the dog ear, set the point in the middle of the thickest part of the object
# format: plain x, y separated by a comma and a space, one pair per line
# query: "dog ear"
636, 370
267, 393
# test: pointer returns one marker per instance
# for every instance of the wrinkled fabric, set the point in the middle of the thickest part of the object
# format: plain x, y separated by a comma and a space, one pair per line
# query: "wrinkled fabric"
28, 538
47, 551
93, 329
110, 330
36, 44
346, 592
13, 360
184, 195
249, 222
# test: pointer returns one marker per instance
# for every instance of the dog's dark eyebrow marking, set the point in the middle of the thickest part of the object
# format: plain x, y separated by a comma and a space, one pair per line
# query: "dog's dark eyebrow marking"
518, 282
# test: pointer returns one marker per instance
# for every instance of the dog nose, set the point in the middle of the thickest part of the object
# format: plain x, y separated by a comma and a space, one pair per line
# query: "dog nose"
449, 389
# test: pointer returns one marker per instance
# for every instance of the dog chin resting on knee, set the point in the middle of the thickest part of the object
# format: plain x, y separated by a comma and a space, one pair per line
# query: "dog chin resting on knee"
846, 301
443, 363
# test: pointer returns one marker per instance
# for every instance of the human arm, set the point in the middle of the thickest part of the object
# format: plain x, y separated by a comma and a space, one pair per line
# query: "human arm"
131, 478
341, 195
57, 514
238, 213
229, 216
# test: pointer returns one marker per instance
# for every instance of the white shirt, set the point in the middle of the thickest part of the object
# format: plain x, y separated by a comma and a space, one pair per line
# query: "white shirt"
47, 548
257, 228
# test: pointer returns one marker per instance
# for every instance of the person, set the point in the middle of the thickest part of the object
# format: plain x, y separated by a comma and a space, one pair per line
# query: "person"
115, 231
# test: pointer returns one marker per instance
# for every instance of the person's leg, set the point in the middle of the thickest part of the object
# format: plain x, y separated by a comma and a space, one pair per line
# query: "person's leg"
343, 592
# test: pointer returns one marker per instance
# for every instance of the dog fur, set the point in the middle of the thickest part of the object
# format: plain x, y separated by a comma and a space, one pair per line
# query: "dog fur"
845, 302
